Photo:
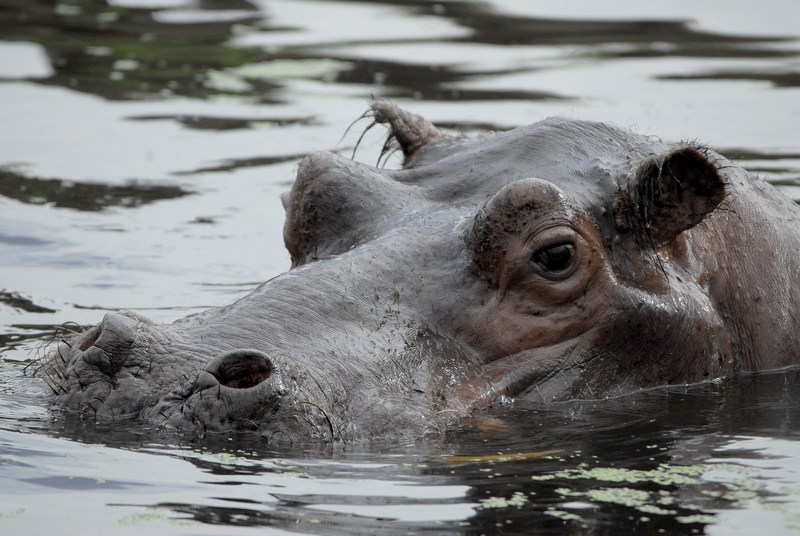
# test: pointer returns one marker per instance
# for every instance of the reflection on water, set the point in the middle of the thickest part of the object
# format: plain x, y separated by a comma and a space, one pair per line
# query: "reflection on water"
778, 79
224, 123
670, 460
114, 111
82, 195
134, 53
12, 299
237, 163
124, 53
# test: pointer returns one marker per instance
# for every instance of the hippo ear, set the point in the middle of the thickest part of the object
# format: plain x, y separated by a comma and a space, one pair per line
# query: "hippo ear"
673, 192
411, 131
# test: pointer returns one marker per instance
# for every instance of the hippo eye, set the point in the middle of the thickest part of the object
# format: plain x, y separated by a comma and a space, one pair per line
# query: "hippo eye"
554, 261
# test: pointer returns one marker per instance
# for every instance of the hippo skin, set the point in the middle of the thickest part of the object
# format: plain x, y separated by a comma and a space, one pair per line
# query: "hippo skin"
561, 260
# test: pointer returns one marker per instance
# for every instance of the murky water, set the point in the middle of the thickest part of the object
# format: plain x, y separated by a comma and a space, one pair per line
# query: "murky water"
142, 150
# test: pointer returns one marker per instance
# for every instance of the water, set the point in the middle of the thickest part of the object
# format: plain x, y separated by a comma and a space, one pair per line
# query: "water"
142, 150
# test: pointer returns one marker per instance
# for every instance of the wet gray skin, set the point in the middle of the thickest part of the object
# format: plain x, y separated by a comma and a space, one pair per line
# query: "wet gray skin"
561, 260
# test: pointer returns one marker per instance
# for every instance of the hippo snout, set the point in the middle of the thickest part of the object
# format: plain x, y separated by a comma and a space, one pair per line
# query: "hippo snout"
108, 374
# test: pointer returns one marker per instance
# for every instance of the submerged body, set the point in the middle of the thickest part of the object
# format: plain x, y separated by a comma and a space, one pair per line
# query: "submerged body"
565, 259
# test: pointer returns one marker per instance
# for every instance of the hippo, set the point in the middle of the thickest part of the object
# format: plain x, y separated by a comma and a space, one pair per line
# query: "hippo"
558, 261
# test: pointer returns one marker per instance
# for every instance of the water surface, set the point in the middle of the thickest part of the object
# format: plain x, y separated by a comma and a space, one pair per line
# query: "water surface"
143, 148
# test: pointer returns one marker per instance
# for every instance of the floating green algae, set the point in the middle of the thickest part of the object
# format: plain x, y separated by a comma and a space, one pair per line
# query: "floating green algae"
664, 474
295, 474
561, 514
623, 496
790, 517
500, 457
12, 514
731, 483
158, 515
517, 499
697, 518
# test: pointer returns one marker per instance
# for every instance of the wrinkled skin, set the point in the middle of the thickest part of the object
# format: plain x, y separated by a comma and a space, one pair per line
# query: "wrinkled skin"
560, 260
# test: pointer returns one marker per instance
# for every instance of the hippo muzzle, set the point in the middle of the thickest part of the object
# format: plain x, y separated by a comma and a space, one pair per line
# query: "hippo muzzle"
105, 378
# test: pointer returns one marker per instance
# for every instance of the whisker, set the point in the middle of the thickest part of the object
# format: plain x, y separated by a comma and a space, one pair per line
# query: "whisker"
324, 414
361, 137
362, 116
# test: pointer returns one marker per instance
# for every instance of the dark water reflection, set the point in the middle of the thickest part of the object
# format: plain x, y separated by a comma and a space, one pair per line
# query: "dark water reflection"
86, 40
82, 195
223, 123
128, 53
114, 112
678, 460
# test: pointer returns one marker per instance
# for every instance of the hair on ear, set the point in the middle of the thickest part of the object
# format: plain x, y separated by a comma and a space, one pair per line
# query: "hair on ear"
670, 193
411, 131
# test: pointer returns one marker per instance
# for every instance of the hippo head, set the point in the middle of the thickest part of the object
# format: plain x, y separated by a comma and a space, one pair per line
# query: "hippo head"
561, 260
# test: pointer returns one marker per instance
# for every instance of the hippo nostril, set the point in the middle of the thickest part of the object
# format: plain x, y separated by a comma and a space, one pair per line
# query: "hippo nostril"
115, 334
108, 345
89, 339
241, 369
